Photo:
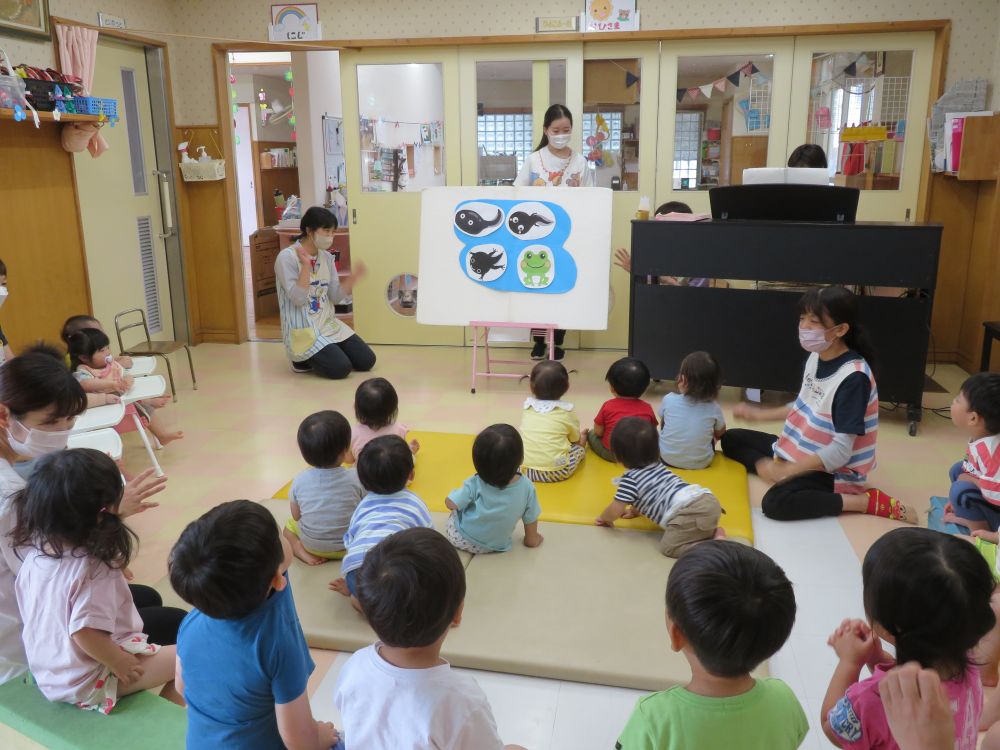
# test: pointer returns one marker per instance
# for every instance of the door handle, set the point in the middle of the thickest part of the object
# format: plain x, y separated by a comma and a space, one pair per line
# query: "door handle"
166, 211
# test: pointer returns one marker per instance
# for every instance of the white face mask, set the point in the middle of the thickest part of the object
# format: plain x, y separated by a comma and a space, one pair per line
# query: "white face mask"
35, 443
560, 141
322, 242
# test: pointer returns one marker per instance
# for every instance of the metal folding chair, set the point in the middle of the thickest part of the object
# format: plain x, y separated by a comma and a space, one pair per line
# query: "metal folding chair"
151, 348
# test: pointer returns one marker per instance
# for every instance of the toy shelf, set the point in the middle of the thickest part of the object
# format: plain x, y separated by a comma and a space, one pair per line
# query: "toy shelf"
8, 114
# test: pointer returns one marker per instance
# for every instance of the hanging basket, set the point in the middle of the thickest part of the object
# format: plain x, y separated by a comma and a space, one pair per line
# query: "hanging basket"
203, 171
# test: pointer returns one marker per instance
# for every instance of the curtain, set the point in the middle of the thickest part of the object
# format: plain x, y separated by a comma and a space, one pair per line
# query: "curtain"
77, 56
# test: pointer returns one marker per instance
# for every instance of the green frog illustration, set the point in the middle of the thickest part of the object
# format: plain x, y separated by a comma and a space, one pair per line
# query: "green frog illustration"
536, 267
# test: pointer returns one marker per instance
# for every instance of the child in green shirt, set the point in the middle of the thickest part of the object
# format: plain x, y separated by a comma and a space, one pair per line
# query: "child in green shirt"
729, 607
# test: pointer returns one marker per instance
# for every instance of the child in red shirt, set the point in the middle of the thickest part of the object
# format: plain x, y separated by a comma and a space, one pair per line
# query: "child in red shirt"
627, 379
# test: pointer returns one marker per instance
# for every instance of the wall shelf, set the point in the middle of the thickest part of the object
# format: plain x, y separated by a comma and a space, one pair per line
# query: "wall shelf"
8, 114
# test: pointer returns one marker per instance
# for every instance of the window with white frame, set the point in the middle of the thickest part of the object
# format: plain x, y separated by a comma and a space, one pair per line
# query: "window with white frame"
505, 134
687, 148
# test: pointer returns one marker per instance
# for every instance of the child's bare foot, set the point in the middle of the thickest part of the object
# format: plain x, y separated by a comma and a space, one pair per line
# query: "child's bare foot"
169, 437
299, 550
414, 446
159, 402
720, 533
340, 586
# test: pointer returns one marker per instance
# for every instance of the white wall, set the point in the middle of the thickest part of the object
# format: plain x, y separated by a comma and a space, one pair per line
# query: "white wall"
316, 76
275, 88
410, 95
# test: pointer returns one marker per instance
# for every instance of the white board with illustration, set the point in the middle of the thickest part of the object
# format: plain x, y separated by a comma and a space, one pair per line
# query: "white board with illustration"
515, 255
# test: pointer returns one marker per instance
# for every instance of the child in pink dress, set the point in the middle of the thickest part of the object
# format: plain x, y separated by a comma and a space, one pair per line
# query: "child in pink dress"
376, 406
927, 594
99, 372
82, 632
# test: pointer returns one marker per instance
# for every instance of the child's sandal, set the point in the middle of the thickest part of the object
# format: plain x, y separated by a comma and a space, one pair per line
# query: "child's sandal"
884, 506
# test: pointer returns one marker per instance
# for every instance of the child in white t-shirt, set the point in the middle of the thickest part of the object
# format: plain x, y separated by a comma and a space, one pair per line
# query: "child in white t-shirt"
399, 693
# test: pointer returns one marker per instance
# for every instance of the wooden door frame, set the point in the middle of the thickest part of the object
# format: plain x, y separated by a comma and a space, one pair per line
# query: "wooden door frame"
220, 50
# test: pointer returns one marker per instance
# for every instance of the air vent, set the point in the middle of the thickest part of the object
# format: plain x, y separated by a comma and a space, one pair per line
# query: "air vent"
150, 288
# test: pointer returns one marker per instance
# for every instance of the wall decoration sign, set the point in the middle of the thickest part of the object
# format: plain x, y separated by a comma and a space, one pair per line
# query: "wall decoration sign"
295, 23
25, 17
610, 15
515, 255
556, 25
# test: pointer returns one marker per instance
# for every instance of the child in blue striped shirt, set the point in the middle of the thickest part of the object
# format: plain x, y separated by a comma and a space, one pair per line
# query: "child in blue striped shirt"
384, 468
687, 513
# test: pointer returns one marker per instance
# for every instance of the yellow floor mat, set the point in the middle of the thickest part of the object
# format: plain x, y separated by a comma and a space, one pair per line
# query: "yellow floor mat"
445, 461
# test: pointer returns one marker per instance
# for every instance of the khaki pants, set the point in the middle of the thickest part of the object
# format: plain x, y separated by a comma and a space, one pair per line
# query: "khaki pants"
693, 523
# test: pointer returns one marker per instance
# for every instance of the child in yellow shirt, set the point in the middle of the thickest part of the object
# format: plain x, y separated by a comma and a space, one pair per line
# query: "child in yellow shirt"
553, 442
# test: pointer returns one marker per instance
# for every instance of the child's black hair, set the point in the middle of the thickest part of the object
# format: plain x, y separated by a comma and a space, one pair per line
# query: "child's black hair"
839, 305
38, 379
410, 586
76, 323
70, 504
315, 218
549, 380
673, 207
385, 465
323, 438
628, 376
224, 562
931, 592
553, 113
84, 343
808, 155
376, 403
635, 442
982, 391
497, 454
733, 604
702, 376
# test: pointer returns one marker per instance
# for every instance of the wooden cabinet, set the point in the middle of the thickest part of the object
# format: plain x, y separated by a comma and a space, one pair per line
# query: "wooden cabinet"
263, 252
746, 152
968, 205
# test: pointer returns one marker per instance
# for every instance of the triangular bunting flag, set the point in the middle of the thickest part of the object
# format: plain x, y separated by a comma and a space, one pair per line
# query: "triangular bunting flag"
706, 90
851, 70
747, 69
630, 79
734, 78
680, 95
720, 85
693, 92
754, 69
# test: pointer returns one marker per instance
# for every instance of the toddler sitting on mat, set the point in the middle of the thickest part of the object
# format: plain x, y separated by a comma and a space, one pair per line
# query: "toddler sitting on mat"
384, 468
553, 444
324, 496
692, 420
487, 507
376, 407
627, 379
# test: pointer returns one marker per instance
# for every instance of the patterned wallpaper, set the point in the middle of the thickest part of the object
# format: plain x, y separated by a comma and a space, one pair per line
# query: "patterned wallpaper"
975, 41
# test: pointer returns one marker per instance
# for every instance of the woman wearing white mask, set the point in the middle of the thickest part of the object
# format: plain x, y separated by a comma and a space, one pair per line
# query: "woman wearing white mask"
308, 288
39, 402
555, 164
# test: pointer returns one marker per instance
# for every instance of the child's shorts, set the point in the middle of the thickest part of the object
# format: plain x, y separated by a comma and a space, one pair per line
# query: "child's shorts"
460, 542
293, 526
573, 461
103, 694
695, 522
351, 579
989, 552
